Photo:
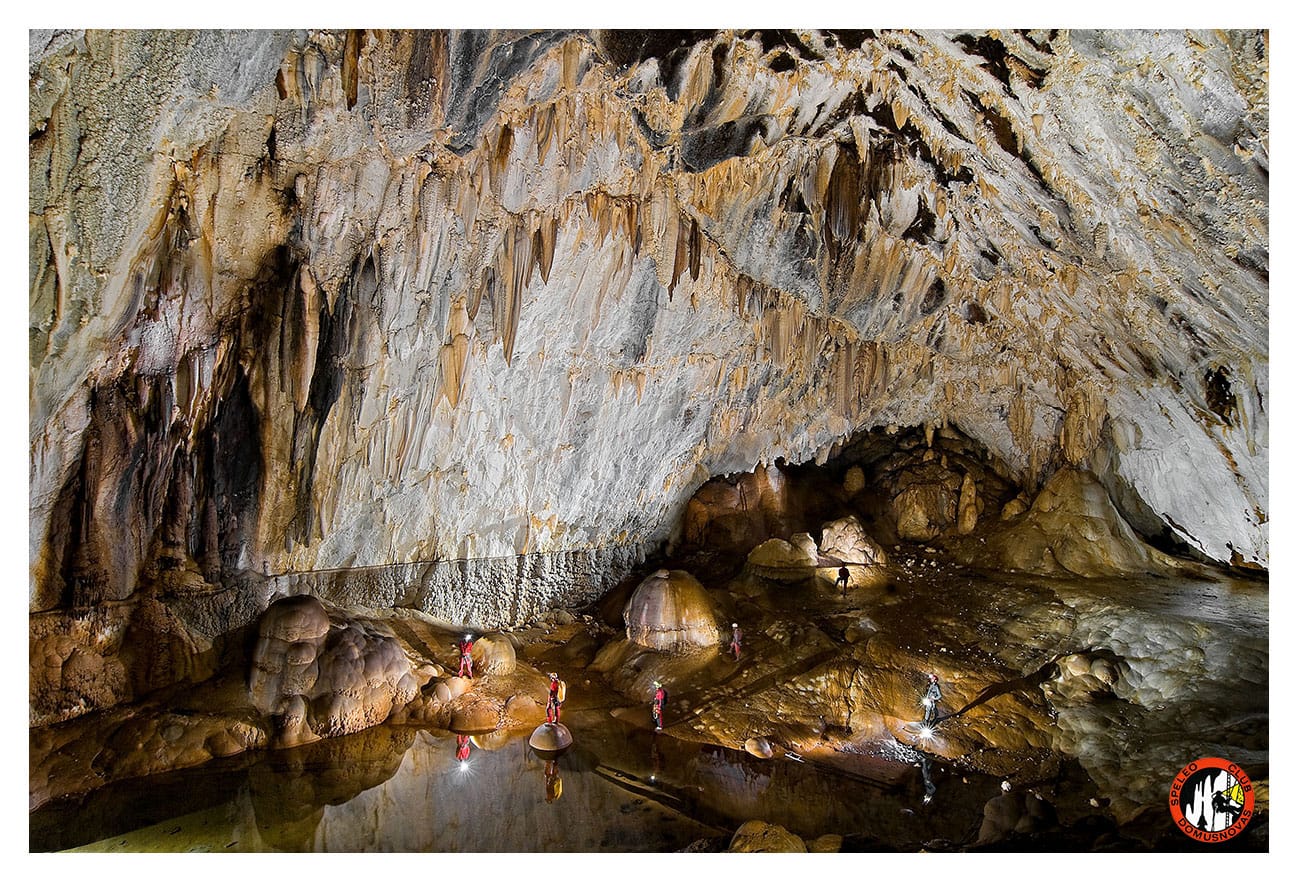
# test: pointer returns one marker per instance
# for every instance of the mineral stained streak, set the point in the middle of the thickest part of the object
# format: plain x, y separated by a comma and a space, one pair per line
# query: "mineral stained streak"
493, 306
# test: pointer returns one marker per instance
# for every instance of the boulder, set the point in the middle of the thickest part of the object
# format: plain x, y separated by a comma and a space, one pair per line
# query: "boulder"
967, 506
759, 836
779, 560
759, 746
318, 678
290, 636
1073, 527
1082, 678
1015, 508
1014, 813
671, 611
804, 543
854, 481
457, 686
494, 655
826, 843
924, 510
846, 539
298, 618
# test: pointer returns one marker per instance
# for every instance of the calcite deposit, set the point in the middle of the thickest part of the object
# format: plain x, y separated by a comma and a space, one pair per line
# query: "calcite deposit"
319, 680
346, 343
846, 540
373, 297
671, 611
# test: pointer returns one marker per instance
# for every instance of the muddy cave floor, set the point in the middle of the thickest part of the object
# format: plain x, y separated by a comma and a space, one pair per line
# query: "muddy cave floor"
1084, 696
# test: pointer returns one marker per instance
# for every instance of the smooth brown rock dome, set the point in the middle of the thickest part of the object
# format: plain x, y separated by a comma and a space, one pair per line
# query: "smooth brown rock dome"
550, 738
670, 610
759, 836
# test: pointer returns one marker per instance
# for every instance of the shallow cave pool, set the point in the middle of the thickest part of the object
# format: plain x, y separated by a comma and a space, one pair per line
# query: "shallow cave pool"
1190, 656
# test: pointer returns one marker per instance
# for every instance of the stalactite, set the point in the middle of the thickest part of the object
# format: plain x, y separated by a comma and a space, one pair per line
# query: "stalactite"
543, 246
681, 255
516, 269
454, 355
545, 129
842, 201
695, 249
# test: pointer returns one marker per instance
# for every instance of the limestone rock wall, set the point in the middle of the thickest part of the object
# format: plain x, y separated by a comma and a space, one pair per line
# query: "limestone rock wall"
305, 300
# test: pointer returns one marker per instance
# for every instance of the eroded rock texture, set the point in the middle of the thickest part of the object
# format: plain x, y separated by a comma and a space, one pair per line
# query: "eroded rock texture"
307, 300
315, 679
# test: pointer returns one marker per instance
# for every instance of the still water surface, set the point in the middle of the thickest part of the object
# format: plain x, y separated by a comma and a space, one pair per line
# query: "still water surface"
401, 789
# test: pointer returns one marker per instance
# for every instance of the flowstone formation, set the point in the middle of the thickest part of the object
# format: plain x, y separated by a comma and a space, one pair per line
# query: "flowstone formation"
371, 298
344, 343
318, 681
671, 611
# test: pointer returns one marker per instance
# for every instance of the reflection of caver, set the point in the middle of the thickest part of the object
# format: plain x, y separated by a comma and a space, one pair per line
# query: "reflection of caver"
930, 787
554, 784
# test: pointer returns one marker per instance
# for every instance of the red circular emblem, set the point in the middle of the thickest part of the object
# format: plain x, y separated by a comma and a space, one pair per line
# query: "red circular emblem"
1211, 800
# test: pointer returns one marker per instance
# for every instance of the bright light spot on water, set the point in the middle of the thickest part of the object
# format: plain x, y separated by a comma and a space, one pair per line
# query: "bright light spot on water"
926, 732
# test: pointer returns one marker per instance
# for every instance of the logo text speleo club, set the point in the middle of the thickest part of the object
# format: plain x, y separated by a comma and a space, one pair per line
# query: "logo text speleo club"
1211, 800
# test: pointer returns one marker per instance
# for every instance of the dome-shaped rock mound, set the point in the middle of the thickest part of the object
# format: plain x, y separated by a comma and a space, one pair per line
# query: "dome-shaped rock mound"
759, 836
550, 738
294, 619
494, 655
847, 540
786, 561
1073, 527
670, 610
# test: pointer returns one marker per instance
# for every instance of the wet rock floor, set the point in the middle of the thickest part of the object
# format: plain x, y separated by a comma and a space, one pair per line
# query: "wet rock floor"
831, 682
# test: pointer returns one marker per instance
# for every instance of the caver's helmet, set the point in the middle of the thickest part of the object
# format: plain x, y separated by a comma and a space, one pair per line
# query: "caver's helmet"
933, 678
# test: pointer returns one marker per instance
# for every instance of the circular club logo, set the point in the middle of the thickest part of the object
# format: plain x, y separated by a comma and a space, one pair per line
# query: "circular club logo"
1211, 800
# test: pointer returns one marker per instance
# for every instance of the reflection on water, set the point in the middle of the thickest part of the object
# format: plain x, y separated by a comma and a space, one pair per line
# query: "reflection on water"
930, 787
1191, 662
401, 789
